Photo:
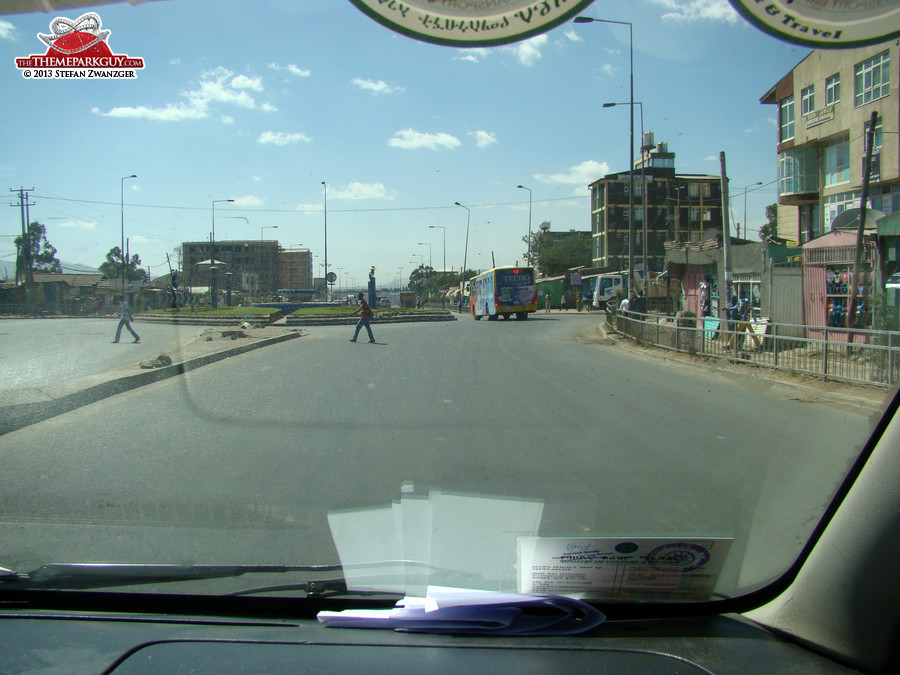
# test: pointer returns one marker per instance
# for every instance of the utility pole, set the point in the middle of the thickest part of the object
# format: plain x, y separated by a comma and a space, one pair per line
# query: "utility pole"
726, 241
867, 168
27, 266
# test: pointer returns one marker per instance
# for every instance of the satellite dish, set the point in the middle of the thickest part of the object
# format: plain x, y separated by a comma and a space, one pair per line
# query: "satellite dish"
849, 219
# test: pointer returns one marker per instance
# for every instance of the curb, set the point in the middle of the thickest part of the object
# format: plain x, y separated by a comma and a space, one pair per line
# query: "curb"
352, 321
21, 415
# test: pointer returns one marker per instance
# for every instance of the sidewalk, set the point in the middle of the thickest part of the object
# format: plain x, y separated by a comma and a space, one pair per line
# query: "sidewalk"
22, 407
797, 386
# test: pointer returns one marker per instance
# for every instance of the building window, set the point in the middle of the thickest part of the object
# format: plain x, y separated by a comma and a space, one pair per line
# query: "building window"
837, 162
808, 100
707, 190
798, 171
833, 89
876, 141
786, 118
693, 190
871, 79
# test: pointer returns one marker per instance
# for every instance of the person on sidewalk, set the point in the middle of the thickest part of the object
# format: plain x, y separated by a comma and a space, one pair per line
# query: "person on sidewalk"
742, 316
365, 313
125, 320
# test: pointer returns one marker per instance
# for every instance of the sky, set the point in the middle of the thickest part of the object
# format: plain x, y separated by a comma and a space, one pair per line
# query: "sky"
262, 101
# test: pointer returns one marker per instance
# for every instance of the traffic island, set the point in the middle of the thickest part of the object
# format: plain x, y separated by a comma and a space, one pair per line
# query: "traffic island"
21, 408
343, 316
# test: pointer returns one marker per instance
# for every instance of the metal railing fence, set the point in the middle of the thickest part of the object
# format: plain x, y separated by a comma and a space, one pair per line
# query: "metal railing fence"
852, 355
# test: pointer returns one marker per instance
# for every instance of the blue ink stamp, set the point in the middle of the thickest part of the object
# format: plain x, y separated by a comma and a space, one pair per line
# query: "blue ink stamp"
680, 556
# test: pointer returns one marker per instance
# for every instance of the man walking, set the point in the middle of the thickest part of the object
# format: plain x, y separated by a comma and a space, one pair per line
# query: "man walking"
125, 320
365, 313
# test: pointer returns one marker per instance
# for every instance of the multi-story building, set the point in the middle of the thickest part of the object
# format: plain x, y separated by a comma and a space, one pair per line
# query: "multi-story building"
295, 269
825, 107
672, 207
253, 264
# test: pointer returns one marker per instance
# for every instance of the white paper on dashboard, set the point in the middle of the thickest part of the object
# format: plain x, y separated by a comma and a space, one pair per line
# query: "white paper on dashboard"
637, 568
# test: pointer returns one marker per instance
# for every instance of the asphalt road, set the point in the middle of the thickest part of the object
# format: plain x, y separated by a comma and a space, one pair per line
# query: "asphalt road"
241, 461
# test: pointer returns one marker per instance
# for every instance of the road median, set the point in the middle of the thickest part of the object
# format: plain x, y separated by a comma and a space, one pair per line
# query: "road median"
21, 408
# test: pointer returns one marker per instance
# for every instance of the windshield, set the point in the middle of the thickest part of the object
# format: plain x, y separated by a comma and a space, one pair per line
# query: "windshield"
237, 328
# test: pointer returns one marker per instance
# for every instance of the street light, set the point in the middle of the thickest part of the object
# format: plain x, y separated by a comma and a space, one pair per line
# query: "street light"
325, 202
425, 243
759, 182
441, 227
123, 231
640, 105
587, 19
522, 187
262, 252
212, 253
466, 249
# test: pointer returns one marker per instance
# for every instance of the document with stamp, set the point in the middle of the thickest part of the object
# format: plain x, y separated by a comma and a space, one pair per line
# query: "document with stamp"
635, 569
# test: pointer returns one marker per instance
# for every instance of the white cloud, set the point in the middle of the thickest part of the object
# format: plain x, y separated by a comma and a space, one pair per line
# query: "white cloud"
268, 107
140, 239
7, 31
608, 69
79, 224
309, 208
135, 187
484, 138
227, 119
379, 87
408, 139
528, 52
281, 138
573, 36
362, 191
581, 174
175, 61
215, 86
688, 11
257, 179
244, 82
248, 200
711, 158
170, 113
473, 55
291, 68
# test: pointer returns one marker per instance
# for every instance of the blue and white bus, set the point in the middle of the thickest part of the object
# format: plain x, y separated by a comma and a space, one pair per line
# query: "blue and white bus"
503, 291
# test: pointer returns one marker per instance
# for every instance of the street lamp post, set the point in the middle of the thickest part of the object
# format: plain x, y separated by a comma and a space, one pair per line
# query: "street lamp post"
325, 202
441, 227
262, 253
587, 19
425, 243
124, 262
528, 255
466, 249
644, 233
212, 254
759, 182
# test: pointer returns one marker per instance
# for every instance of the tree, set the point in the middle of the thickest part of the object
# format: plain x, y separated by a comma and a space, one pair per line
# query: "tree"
554, 255
769, 231
38, 250
419, 277
112, 268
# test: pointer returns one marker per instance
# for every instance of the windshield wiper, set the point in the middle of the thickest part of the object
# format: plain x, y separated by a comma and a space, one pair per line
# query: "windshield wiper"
81, 576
